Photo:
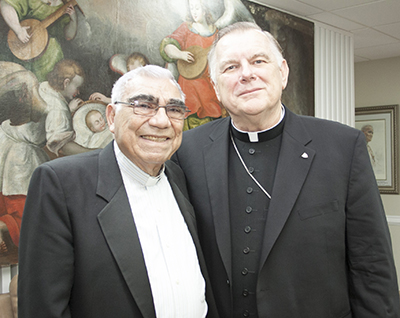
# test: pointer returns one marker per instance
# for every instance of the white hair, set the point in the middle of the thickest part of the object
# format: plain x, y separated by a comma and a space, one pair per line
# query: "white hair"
150, 71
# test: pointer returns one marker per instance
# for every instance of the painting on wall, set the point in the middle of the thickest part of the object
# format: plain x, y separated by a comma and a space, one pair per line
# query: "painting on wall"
59, 60
380, 126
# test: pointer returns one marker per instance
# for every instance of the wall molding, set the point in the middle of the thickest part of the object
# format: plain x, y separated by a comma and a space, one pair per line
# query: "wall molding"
393, 219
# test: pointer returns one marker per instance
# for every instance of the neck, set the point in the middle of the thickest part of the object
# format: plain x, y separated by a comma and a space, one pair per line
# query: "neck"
257, 123
152, 170
202, 27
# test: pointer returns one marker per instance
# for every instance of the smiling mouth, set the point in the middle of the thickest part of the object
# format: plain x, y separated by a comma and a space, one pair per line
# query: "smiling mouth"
249, 91
154, 138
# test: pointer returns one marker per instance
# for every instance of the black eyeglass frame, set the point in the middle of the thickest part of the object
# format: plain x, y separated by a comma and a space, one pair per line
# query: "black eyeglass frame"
135, 105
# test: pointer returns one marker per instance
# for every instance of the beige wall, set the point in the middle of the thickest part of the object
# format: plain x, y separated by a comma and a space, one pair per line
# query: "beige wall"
378, 83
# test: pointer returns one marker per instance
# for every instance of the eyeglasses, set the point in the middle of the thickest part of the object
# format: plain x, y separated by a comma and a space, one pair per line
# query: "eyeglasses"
149, 109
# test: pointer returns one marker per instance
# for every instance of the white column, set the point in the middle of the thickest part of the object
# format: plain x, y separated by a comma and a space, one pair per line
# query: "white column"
7, 273
334, 74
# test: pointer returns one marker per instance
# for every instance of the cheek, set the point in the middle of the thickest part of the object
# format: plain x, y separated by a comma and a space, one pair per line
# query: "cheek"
221, 89
122, 127
178, 136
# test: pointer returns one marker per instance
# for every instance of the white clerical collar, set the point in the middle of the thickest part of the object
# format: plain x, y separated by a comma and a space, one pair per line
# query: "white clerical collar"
254, 135
134, 171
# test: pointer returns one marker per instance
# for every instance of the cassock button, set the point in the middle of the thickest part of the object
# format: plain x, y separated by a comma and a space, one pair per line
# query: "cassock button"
245, 293
249, 209
247, 229
246, 250
251, 169
245, 271
252, 151
249, 190
246, 313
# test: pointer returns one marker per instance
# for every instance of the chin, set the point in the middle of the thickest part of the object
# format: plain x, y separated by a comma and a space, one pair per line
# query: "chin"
253, 108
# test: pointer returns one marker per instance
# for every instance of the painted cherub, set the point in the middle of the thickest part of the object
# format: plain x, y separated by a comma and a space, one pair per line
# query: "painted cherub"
122, 64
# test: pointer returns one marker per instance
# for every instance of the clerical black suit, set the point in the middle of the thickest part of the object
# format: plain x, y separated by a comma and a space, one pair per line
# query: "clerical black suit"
90, 262
325, 250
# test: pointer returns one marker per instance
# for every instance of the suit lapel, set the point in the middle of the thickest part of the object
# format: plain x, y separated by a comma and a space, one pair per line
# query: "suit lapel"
117, 224
177, 182
294, 163
216, 156
184, 205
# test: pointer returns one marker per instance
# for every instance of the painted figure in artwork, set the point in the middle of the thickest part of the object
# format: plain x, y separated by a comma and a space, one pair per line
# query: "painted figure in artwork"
38, 51
95, 121
368, 131
121, 64
21, 104
90, 125
188, 46
19, 95
23, 146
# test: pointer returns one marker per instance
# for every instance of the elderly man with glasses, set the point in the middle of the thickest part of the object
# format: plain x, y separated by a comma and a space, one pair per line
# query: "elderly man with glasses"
111, 233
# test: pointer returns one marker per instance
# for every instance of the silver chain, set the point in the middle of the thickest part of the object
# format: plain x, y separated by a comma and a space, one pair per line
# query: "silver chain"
247, 170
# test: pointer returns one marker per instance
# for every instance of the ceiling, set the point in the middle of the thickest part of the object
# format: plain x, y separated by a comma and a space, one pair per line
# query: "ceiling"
375, 24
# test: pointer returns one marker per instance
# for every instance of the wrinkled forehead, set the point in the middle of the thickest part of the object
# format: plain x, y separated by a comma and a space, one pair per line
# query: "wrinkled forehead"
237, 38
247, 43
238, 34
160, 88
243, 43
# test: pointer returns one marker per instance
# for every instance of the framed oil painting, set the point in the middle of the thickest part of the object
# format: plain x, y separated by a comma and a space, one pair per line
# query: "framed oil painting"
380, 126
60, 58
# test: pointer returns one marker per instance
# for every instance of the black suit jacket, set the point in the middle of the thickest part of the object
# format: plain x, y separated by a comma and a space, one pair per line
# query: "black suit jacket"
326, 250
80, 254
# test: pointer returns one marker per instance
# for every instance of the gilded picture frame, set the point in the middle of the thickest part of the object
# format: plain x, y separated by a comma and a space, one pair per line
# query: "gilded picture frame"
380, 125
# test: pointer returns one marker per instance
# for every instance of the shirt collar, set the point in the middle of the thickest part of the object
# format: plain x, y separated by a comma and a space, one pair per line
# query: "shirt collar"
134, 172
262, 135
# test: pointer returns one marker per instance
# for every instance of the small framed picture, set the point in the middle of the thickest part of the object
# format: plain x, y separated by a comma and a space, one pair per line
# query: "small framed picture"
380, 126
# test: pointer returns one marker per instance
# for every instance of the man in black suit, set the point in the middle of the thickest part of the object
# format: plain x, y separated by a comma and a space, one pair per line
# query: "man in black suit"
289, 214
111, 233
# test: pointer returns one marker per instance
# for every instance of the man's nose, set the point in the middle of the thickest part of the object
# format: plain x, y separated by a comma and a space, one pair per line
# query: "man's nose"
247, 72
160, 119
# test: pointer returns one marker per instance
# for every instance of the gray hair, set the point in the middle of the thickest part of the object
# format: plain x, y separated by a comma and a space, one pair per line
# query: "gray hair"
365, 127
151, 71
241, 27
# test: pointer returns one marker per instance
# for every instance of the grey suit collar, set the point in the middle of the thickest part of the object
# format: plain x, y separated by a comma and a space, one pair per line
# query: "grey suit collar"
293, 165
119, 230
216, 170
109, 176
294, 162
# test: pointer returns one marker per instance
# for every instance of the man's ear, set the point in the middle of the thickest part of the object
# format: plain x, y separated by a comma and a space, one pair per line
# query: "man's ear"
216, 90
284, 73
66, 82
110, 114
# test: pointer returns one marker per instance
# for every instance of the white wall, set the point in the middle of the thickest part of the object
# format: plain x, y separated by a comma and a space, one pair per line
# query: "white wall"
377, 83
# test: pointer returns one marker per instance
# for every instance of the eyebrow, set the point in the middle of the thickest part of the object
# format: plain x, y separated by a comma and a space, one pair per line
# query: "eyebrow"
254, 56
145, 97
153, 99
176, 101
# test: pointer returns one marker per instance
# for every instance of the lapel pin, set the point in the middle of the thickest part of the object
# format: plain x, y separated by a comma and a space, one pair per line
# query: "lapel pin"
304, 155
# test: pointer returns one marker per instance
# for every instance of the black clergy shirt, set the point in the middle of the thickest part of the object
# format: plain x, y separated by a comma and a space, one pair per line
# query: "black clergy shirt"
249, 209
